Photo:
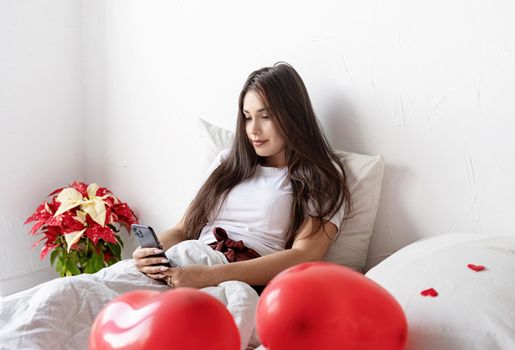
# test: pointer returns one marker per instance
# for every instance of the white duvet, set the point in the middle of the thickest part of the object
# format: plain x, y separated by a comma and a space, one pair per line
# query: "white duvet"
58, 314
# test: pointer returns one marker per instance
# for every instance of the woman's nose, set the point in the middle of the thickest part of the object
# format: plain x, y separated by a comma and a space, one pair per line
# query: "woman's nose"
254, 127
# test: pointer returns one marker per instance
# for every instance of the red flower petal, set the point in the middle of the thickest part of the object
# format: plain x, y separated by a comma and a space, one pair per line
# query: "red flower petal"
476, 268
40, 214
46, 249
109, 219
97, 232
56, 191
81, 187
429, 293
125, 214
36, 227
54, 205
35, 244
102, 191
109, 201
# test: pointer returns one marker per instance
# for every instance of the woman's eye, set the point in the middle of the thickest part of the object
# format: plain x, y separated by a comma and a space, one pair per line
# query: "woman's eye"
264, 116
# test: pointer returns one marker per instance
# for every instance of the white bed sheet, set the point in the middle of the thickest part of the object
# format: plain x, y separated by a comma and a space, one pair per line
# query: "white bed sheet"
59, 314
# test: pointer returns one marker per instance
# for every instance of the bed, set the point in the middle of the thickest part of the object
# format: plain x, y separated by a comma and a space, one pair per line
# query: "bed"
457, 290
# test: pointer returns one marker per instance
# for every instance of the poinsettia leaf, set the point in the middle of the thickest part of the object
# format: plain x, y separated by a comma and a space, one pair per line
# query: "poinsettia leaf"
72, 238
81, 217
108, 200
46, 249
67, 205
102, 191
59, 267
119, 240
42, 213
92, 190
108, 216
69, 199
36, 227
88, 267
114, 218
55, 192
35, 216
35, 244
116, 250
125, 214
96, 261
53, 205
69, 194
53, 234
53, 256
81, 187
96, 210
69, 223
71, 266
107, 257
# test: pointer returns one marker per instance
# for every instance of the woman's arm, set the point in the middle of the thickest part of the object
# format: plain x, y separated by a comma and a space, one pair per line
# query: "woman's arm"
261, 270
172, 236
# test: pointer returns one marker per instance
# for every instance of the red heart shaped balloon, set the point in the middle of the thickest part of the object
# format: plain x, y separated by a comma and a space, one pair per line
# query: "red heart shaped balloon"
182, 318
320, 305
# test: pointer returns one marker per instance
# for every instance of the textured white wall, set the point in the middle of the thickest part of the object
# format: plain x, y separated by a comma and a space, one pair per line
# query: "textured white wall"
428, 84
41, 124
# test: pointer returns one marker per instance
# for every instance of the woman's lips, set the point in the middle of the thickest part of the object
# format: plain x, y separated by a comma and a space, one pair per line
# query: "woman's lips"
258, 143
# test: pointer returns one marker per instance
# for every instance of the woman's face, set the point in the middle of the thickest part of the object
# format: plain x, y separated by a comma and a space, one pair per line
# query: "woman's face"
262, 132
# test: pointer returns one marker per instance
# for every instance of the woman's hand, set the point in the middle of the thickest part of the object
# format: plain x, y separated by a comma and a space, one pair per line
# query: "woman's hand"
193, 276
144, 261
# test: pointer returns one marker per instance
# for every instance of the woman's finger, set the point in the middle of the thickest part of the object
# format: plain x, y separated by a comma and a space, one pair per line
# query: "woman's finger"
154, 269
150, 261
156, 276
140, 253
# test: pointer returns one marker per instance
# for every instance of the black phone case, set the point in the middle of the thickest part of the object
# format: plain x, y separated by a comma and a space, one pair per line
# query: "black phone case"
147, 239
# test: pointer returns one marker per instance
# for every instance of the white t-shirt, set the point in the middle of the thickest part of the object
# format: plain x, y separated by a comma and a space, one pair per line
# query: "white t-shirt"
257, 211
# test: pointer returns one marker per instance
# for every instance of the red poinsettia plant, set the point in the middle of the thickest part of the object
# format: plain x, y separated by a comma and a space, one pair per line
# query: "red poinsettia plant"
80, 225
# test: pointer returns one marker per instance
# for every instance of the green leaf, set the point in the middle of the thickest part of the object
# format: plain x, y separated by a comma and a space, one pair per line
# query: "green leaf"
83, 260
89, 268
119, 239
53, 255
59, 267
95, 262
113, 227
116, 250
72, 268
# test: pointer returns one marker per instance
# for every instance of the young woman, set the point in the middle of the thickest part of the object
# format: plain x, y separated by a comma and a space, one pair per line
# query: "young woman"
274, 200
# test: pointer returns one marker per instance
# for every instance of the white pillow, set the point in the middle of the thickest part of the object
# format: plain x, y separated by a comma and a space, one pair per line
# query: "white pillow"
365, 174
473, 310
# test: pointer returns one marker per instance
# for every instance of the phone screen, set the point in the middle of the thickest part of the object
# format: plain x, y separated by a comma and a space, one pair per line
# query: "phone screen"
147, 239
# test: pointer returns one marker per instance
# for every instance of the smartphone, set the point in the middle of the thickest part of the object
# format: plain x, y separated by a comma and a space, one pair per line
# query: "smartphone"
147, 239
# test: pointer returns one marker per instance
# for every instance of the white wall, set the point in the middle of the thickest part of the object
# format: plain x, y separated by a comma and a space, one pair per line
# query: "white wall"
41, 133
428, 84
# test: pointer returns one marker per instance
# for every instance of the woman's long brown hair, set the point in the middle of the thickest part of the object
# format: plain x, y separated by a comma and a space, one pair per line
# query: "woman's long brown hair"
316, 174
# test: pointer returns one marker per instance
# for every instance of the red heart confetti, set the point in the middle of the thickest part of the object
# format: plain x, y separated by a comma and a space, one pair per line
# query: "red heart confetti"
476, 268
429, 293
